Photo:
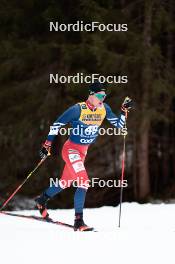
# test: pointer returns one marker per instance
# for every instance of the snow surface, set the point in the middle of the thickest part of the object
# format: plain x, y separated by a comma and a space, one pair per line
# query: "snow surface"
146, 235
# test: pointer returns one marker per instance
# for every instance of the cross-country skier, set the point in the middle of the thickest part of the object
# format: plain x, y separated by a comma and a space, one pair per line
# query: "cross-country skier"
87, 117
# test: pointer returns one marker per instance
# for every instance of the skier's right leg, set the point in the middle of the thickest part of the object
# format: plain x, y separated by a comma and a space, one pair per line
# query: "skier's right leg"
41, 201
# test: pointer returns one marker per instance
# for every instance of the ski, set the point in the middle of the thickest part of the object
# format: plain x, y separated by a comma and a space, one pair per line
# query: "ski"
49, 220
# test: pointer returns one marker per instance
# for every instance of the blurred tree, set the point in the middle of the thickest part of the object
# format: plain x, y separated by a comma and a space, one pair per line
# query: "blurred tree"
28, 104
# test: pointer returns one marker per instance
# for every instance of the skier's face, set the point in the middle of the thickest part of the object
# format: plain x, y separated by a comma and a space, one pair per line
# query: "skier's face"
98, 98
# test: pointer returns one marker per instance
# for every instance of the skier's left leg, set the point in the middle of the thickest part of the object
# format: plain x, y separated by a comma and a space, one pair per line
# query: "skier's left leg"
74, 156
79, 200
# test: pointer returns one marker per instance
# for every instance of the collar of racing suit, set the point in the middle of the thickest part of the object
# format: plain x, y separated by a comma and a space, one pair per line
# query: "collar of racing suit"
90, 106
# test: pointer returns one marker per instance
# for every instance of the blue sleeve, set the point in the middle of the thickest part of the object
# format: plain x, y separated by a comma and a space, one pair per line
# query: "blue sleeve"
113, 119
71, 114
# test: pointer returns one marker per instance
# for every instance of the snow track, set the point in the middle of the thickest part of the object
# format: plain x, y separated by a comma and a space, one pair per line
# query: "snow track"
147, 235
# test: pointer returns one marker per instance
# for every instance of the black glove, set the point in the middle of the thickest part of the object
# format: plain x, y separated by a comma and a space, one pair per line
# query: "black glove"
127, 104
45, 150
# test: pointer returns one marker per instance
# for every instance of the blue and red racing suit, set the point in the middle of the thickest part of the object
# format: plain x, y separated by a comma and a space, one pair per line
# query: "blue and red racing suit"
85, 121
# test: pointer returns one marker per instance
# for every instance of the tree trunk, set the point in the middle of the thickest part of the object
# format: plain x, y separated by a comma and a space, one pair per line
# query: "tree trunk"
143, 144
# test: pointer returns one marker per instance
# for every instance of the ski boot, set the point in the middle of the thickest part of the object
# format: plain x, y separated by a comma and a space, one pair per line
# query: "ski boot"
79, 224
41, 203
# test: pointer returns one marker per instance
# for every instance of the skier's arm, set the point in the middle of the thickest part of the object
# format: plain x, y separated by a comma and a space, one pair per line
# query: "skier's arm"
69, 115
72, 113
117, 121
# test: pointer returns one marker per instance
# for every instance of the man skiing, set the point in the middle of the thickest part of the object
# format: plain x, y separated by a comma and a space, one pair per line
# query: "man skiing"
87, 118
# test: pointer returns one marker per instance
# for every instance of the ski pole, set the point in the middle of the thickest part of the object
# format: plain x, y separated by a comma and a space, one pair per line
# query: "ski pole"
122, 174
19, 187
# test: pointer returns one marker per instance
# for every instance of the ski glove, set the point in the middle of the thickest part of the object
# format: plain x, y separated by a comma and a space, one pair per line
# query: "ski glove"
127, 104
45, 150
